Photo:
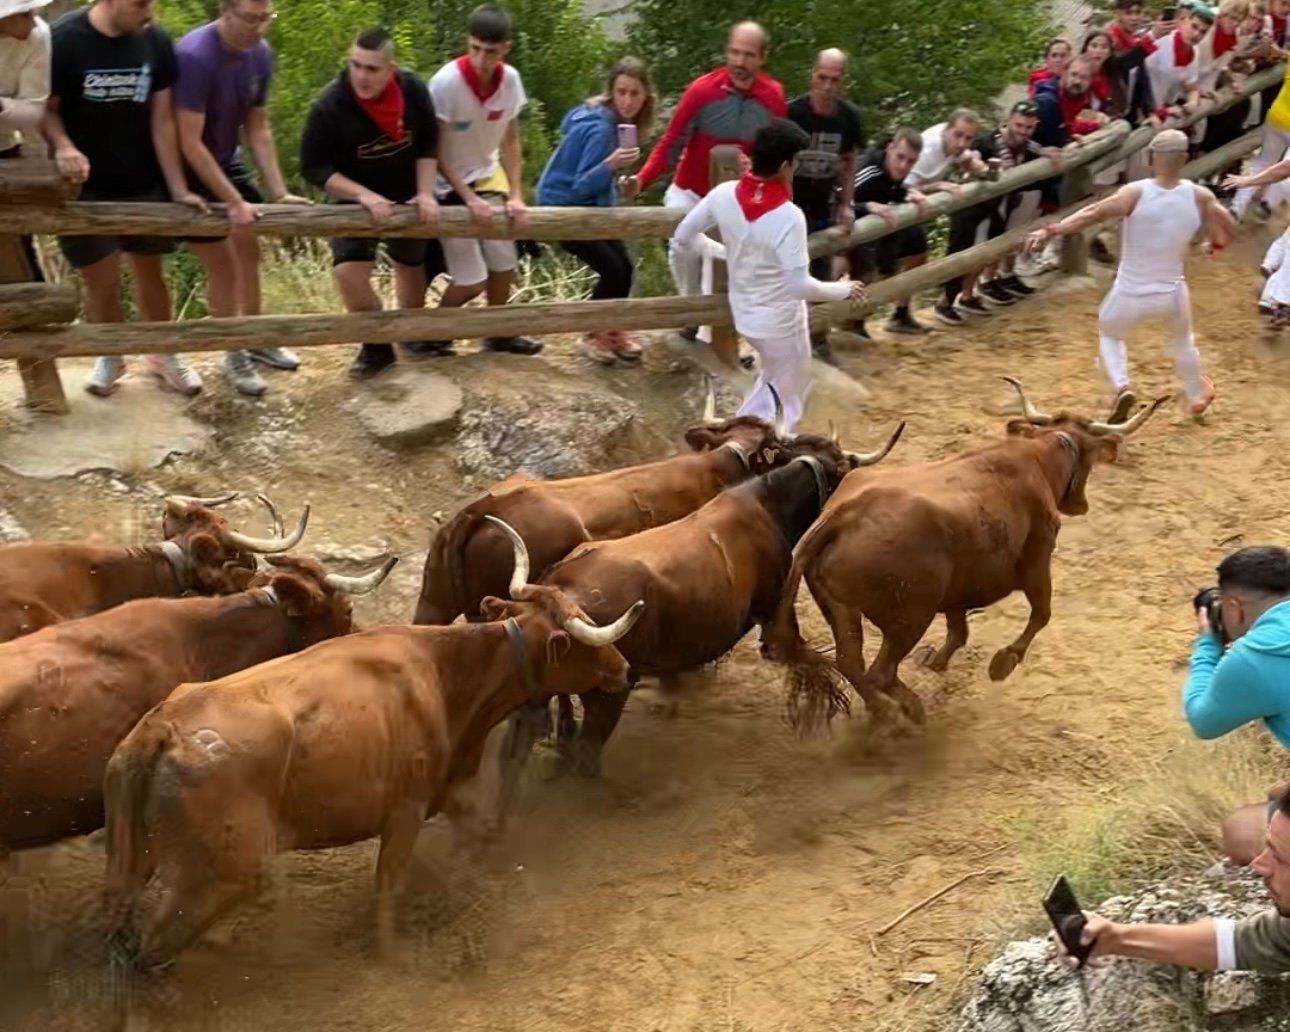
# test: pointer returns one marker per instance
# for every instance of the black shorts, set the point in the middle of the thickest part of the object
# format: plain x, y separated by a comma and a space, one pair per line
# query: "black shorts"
240, 177
403, 250
886, 253
82, 251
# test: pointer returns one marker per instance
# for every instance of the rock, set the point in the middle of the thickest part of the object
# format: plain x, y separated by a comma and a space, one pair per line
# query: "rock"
11, 529
408, 406
1024, 989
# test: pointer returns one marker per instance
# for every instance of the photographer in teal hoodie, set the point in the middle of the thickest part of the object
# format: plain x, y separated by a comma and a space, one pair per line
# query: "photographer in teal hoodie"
585, 171
1240, 669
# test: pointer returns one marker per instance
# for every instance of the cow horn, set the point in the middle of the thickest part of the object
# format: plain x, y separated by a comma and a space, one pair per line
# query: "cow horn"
869, 458
364, 582
520, 575
275, 518
590, 634
278, 544
833, 433
1032, 414
1126, 428
178, 504
710, 404
779, 411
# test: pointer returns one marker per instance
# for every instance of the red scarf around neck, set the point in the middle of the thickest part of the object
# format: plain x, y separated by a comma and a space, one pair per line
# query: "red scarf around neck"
477, 86
1223, 40
387, 109
757, 196
1183, 52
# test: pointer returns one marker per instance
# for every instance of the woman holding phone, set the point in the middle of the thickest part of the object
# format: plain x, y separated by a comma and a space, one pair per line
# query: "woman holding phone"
599, 144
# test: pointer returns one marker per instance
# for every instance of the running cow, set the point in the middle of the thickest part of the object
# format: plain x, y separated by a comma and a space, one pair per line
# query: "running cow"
70, 693
898, 546
352, 739
47, 582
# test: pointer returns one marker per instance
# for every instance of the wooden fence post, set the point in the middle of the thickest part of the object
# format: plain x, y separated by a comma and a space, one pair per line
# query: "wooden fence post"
723, 166
43, 388
1077, 184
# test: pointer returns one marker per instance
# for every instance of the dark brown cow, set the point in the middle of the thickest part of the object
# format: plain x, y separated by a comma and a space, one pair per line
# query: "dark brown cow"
706, 579
470, 559
900, 545
71, 692
352, 739
47, 582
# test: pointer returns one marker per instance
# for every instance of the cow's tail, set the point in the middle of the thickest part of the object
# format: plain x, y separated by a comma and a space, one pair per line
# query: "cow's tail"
816, 691
443, 582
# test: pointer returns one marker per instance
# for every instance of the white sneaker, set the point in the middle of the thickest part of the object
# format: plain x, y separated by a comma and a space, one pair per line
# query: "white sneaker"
240, 371
107, 371
276, 358
175, 373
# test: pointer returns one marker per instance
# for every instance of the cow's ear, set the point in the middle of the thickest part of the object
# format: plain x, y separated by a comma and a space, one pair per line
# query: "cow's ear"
701, 439
1108, 449
205, 550
1020, 428
297, 597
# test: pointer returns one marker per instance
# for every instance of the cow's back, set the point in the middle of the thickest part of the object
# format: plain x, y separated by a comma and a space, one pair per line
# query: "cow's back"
43, 584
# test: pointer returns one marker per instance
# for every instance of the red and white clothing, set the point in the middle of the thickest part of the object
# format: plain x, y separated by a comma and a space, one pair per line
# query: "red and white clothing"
764, 235
473, 119
1150, 281
1173, 69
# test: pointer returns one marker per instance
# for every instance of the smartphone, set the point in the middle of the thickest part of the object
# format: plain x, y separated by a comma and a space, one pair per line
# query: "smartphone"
627, 136
1068, 919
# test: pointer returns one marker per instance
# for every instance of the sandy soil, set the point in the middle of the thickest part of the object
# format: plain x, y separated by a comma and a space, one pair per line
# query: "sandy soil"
721, 874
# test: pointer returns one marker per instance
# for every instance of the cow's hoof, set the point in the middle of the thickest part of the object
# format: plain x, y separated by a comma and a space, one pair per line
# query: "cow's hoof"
925, 656
1004, 663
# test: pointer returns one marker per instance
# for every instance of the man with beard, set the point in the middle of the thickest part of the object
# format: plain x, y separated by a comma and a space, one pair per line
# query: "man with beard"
1260, 943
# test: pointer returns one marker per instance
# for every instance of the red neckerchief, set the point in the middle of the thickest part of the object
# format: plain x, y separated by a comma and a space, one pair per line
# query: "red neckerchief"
387, 109
479, 88
1278, 29
1223, 40
1122, 41
758, 196
1183, 51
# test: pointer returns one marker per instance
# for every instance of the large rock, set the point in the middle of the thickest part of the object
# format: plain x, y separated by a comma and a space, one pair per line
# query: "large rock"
1025, 990
408, 406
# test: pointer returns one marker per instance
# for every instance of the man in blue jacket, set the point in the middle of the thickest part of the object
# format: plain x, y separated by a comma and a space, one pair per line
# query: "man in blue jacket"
1251, 680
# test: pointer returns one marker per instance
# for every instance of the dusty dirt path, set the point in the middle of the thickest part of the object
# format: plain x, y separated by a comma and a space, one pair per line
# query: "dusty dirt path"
722, 874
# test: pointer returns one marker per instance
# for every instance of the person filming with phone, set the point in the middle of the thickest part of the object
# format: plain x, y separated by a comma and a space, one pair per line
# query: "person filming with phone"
593, 165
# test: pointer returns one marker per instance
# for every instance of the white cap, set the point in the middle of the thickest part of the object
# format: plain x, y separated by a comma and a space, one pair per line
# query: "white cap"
1167, 141
8, 7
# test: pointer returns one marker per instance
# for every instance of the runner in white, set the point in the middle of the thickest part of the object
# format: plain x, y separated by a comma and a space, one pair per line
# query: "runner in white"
766, 256
1161, 217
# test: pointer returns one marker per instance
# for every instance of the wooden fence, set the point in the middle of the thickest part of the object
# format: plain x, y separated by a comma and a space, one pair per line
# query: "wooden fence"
35, 319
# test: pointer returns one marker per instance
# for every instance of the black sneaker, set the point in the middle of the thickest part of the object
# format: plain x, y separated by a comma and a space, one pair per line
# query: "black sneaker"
948, 314
903, 321
1098, 252
371, 360
690, 332
973, 306
993, 294
513, 345
428, 348
1014, 286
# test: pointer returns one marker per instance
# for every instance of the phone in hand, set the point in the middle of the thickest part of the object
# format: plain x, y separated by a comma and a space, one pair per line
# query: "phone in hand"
1068, 919
627, 136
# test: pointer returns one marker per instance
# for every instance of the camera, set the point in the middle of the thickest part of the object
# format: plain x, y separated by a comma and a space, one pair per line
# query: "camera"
1209, 600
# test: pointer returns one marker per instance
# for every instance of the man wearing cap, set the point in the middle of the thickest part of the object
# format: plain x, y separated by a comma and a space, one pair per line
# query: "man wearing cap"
24, 82
1161, 215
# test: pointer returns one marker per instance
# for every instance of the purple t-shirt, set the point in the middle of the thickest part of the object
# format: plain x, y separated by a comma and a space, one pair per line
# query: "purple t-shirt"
223, 84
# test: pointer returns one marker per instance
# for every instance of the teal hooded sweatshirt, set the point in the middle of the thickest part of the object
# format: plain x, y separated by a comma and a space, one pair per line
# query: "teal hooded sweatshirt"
1251, 682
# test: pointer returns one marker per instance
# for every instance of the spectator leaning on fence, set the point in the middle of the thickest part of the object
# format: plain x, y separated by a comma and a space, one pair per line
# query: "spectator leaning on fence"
1057, 55
222, 91
112, 126
1174, 68
370, 139
585, 171
1275, 142
824, 173
726, 106
24, 84
478, 99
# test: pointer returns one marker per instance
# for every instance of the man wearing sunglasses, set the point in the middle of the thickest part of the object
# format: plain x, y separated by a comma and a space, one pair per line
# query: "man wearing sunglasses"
222, 91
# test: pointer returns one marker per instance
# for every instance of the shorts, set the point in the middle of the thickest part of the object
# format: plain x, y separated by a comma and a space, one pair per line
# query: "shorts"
403, 250
240, 176
886, 253
471, 261
83, 251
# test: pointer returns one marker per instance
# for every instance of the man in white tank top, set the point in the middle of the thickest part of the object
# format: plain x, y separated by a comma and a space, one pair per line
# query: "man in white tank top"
1161, 217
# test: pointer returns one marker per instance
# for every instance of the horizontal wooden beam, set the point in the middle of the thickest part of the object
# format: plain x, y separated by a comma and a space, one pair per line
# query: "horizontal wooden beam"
24, 305
33, 180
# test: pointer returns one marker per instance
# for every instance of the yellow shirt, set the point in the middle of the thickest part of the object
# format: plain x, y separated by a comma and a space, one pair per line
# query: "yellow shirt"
1279, 112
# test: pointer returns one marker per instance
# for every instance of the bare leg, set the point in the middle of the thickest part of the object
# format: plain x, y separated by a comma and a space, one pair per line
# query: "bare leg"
246, 258
218, 260
354, 283
103, 290
458, 294
150, 292
410, 285
1244, 831
1039, 593
498, 287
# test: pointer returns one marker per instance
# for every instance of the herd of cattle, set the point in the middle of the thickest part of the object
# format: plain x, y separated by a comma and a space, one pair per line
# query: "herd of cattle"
210, 711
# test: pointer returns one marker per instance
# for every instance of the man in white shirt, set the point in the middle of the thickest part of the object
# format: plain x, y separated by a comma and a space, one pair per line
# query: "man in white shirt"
24, 82
1174, 69
764, 238
478, 99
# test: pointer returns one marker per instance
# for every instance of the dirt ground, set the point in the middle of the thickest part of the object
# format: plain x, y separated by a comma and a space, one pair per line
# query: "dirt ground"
722, 874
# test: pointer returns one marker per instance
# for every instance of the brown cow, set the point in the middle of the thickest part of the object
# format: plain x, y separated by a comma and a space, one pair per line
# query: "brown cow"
469, 559
71, 692
47, 582
900, 545
707, 579
351, 739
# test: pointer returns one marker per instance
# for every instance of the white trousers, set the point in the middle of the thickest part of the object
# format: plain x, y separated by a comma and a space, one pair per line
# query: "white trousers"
1272, 149
785, 365
691, 267
1121, 312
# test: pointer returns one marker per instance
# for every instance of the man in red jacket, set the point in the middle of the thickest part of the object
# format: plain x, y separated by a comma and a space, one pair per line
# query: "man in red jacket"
727, 105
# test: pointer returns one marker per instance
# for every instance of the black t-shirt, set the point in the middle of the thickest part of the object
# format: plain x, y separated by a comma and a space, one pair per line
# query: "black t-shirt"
815, 171
873, 185
104, 86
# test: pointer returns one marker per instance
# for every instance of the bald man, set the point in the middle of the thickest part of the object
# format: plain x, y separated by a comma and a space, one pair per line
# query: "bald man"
824, 173
726, 106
